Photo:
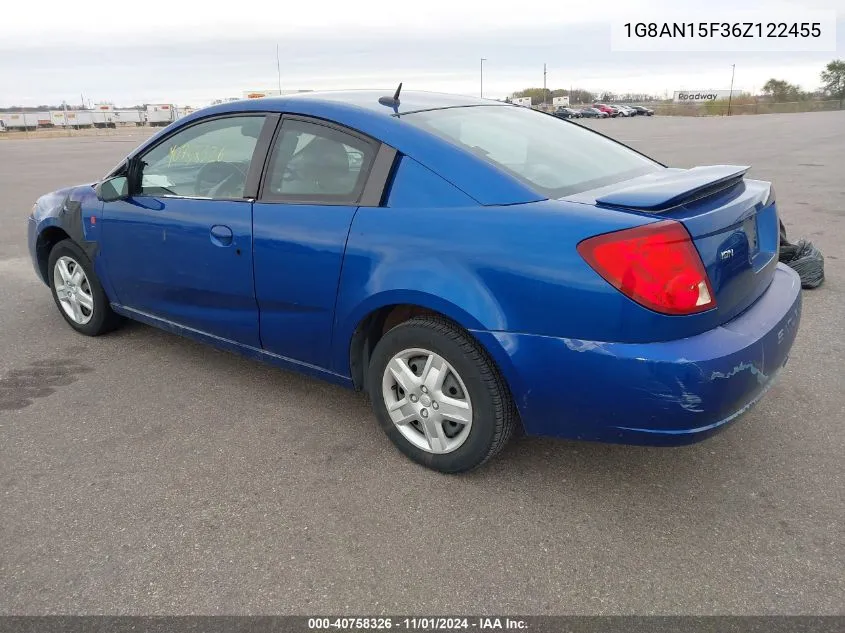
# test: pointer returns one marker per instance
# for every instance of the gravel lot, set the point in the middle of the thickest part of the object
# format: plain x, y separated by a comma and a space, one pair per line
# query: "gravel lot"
143, 473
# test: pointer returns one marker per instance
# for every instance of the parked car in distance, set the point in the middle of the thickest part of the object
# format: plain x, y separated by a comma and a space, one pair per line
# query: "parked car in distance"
626, 111
400, 246
642, 110
567, 113
593, 113
608, 110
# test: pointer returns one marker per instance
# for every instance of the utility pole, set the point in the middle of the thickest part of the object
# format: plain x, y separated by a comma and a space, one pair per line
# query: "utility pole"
481, 91
731, 93
544, 84
279, 69
64, 107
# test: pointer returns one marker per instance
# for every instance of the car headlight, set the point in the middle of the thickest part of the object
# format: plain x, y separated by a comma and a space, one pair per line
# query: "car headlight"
34, 208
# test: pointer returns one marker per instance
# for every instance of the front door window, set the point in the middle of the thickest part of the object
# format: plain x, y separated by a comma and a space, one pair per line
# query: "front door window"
206, 160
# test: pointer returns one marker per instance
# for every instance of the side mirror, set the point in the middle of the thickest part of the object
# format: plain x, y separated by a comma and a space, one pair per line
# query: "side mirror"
111, 189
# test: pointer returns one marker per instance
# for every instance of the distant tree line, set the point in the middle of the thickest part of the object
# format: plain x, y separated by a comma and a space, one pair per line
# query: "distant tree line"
833, 79
833, 86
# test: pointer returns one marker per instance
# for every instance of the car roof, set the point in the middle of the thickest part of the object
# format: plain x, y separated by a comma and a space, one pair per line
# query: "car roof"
409, 101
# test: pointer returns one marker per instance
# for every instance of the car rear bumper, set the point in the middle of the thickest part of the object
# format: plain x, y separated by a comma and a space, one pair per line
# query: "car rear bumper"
673, 392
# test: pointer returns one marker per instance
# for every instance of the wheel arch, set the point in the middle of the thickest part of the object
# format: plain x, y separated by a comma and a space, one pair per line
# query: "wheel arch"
379, 319
44, 243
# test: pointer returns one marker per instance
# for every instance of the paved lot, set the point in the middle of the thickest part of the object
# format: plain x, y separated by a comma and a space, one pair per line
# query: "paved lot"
143, 473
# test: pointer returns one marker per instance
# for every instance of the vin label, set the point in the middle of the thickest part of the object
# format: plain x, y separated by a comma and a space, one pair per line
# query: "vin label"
759, 30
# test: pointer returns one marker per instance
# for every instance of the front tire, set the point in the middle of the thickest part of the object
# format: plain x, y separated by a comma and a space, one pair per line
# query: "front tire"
438, 395
77, 291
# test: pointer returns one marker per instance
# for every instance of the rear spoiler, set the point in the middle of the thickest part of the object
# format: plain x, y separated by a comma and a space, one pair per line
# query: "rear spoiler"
667, 190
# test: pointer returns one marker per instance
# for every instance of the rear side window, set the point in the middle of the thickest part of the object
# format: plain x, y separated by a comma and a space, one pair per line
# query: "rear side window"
317, 163
554, 157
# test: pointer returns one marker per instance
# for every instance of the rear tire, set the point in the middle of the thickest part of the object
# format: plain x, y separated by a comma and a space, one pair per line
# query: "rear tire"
77, 291
449, 377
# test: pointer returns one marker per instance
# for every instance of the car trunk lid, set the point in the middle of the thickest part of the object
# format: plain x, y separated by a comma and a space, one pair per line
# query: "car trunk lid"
732, 220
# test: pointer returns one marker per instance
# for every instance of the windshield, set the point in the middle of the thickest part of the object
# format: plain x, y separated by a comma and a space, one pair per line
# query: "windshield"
554, 157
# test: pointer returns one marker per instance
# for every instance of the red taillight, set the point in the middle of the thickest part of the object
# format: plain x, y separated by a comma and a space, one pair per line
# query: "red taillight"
656, 265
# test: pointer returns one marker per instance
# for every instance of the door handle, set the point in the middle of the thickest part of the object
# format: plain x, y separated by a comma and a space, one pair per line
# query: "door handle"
221, 235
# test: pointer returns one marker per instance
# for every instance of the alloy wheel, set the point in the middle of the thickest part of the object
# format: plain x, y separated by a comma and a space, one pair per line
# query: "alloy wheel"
427, 400
73, 290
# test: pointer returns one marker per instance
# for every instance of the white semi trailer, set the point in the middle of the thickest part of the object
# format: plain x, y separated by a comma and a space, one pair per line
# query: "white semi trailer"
103, 119
180, 112
128, 117
72, 118
25, 120
160, 114
103, 115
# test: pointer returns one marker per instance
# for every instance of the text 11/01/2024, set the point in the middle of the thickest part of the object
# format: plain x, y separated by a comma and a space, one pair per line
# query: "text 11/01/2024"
416, 624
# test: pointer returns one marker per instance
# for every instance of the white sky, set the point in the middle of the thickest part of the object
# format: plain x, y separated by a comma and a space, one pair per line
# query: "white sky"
192, 52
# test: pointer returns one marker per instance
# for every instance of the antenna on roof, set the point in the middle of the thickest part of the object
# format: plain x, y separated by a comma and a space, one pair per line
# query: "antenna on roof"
392, 102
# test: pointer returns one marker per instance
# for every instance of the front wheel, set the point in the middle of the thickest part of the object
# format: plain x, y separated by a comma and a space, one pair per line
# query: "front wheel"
77, 291
439, 397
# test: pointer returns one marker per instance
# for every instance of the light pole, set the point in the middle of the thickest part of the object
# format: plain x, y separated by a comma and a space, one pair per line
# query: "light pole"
481, 91
731, 93
544, 84
278, 69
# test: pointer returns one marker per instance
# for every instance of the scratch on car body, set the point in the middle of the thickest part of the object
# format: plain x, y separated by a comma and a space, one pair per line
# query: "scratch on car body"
525, 398
693, 365
685, 399
688, 400
761, 377
577, 345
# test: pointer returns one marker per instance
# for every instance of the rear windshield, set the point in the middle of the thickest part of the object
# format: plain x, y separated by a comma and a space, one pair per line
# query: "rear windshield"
552, 156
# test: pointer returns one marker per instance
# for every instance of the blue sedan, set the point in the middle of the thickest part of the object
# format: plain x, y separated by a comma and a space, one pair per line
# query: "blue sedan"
473, 266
